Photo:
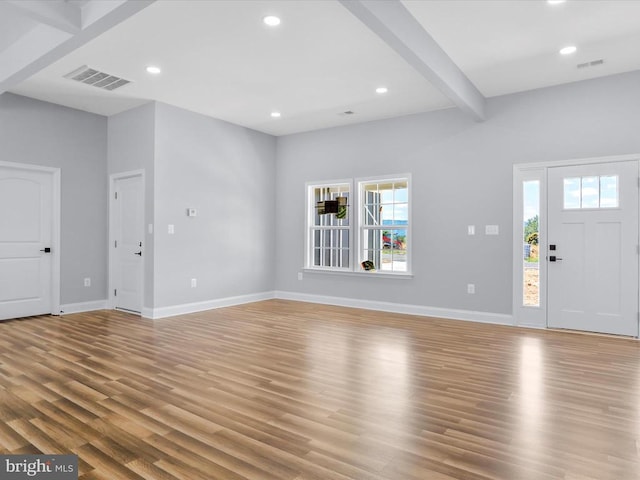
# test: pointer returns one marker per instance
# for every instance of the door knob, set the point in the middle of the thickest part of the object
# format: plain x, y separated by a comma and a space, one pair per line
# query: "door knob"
46, 250
138, 253
553, 258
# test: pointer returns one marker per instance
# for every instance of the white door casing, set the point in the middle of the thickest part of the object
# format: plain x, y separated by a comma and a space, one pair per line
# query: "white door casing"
593, 282
127, 236
29, 240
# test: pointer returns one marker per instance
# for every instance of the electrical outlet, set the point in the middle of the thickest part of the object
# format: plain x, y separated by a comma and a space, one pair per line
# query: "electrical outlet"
87, 282
194, 282
471, 229
299, 275
471, 288
171, 229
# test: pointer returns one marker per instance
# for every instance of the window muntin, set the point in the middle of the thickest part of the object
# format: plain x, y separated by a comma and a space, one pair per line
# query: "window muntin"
591, 192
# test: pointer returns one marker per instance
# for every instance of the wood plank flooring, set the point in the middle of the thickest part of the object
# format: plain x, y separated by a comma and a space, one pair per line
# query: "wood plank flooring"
282, 390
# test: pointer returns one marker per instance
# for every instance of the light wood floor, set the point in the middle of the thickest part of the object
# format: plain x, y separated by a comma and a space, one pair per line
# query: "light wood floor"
283, 390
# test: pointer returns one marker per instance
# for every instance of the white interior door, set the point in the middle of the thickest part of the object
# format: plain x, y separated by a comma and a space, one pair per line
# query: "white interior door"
128, 229
26, 242
593, 248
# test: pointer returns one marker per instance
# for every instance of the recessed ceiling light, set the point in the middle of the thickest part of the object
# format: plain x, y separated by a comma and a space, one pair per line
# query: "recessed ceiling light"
555, 2
276, 114
568, 50
153, 70
271, 20
382, 90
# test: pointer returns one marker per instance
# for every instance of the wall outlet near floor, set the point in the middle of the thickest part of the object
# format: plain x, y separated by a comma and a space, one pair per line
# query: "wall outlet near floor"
194, 282
471, 288
299, 275
87, 282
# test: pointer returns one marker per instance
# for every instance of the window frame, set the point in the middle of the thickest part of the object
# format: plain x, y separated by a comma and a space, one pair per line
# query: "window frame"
310, 226
356, 226
362, 226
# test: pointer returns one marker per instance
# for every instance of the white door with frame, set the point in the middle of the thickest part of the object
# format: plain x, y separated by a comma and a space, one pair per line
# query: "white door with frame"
27, 216
592, 252
127, 247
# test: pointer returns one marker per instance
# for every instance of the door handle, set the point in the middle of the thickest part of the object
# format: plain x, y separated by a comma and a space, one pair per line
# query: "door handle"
46, 250
553, 258
138, 253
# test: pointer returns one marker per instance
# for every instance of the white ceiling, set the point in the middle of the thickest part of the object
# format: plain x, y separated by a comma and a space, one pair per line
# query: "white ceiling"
219, 59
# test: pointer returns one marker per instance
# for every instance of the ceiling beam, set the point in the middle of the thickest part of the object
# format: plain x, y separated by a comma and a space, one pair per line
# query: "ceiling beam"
59, 15
394, 24
109, 15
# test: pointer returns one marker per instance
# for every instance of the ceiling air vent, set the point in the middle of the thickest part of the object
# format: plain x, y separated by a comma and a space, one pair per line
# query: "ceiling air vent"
593, 63
96, 78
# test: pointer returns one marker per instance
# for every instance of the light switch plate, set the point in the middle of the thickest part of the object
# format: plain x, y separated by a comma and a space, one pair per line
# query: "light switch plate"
491, 230
171, 230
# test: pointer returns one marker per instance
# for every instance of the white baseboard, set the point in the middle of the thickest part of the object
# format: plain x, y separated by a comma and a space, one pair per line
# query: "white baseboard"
453, 314
163, 312
83, 307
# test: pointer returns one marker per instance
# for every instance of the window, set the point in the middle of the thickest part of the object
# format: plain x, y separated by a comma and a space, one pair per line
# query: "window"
329, 231
591, 192
380, 226
384, 224
530, 239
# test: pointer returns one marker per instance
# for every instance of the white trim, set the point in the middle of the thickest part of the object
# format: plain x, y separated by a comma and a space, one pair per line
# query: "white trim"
56, 246
530, 316
309, 216
577, 161
451, 314
358, 184
111, 259
163, 312
83, 307
437, 312
55, 227
359, 273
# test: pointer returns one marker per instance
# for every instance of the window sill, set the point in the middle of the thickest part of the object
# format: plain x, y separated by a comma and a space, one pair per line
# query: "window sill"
351, 273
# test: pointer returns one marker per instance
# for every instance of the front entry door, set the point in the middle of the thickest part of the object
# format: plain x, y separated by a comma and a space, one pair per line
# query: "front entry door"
128, 207
593, 248
26, 236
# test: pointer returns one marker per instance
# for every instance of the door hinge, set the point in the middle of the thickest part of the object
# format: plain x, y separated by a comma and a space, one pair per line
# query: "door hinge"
116, 193
115, 292
115, 244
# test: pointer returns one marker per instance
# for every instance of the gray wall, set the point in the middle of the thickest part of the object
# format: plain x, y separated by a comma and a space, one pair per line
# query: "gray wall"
241, 244
462, 175
131, 146
227, 173
39, 133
